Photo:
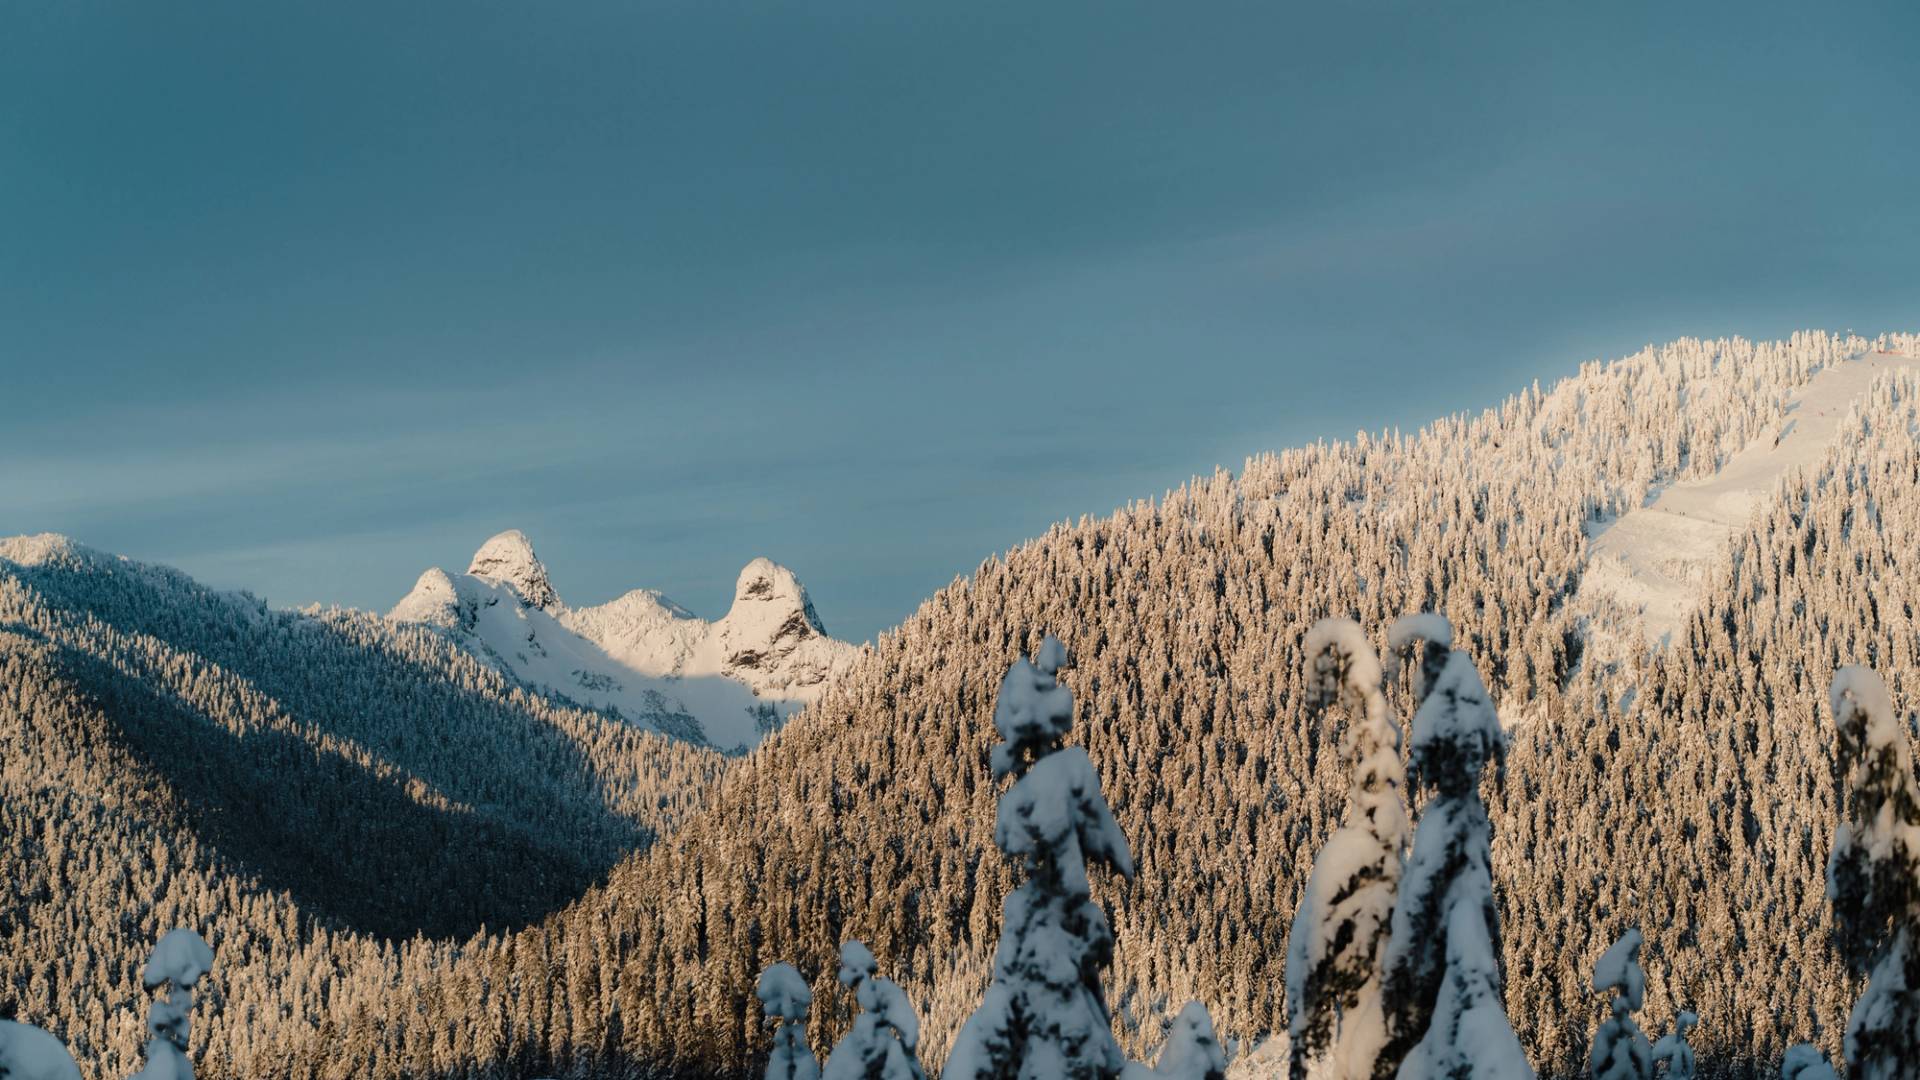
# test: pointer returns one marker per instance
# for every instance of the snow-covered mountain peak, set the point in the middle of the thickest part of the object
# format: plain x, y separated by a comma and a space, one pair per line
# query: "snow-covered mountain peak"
727, 682
509, 557
768, 594
435, 601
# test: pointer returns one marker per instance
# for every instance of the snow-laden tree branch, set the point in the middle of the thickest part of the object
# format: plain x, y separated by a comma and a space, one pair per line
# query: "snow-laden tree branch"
179, 961
881, 1044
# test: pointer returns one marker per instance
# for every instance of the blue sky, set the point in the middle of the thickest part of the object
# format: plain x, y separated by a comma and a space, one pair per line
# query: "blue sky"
307, 299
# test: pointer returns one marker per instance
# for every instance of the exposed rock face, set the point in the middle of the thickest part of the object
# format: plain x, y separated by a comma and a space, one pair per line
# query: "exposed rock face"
772, 638
726, 682
508, 557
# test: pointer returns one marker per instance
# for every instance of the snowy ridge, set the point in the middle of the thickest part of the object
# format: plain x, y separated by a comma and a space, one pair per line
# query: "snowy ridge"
726, 682
1651, 563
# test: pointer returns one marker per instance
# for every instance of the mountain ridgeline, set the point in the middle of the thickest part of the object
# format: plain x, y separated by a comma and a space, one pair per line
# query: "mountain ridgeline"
640, 657
1683, 790
306, 789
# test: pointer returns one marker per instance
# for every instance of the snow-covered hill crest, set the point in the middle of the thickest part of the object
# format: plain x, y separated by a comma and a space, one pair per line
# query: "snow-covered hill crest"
726, 682
1653, 563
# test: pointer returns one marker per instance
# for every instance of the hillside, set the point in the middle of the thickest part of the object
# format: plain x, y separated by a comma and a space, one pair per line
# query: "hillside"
306, 789
641, 656
1684, 790
1652, 562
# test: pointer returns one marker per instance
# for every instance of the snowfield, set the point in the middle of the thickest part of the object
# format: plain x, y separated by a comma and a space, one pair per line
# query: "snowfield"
1652, 562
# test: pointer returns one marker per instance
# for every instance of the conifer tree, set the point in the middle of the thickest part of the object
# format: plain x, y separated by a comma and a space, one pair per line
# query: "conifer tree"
181, 959
1620, 1050
881, 1043
787, 999
1334, 952
1442, 990
1674, 1051
1873, 876
28, 1053
1804, 1061
1191, 1051
1045, 1014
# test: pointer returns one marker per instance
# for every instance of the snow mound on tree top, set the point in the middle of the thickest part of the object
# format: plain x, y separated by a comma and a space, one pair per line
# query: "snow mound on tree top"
784, 993
28, 1053
1618, 967
181, 958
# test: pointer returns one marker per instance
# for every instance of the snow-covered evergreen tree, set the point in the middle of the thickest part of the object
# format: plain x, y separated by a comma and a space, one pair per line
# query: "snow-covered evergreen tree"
1191, 1051
786, 998
1674, 1051
1620, 1050
1442, 989
1804, 1061
881, 1043
1334, 952
179, 961
28, 1053
1873, 876
1045, 1013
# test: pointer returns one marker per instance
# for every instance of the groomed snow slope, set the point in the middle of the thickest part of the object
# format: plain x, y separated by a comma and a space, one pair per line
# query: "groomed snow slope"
726, 682
1652, 562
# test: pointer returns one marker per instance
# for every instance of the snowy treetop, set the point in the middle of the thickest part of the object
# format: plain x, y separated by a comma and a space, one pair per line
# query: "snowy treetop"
181, 958
1033, 712
888, 1004
1619, 969
784, 994
1456, 729
1420, 626
1805, 1062
1339, 656
1864, 713
28, 1053
856, 963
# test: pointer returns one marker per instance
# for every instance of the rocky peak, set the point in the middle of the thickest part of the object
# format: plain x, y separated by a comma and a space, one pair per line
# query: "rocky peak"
771, 615
767, 593
508, 557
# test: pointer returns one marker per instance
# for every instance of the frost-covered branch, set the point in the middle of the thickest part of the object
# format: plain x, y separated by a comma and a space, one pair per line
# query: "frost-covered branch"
1674, 1051
884, 1036
1620, 1050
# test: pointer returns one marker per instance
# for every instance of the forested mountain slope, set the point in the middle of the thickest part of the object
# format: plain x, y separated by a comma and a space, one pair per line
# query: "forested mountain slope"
1685, 792
305, 789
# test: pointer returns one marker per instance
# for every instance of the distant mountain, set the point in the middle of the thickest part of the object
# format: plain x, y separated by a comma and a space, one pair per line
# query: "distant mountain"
642, 657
